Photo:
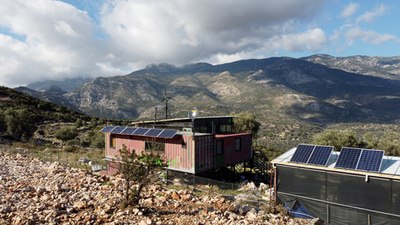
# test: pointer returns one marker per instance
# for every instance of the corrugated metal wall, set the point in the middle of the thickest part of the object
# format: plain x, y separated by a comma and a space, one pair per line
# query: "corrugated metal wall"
232, 157
179, 153
205, 153
184, 154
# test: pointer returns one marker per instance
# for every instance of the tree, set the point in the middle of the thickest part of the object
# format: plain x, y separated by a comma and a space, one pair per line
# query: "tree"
337, 138
20, 123
137, 169
79, 122
390, 142
246, 122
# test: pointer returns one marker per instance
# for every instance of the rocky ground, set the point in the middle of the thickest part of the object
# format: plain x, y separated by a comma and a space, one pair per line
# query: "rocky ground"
36, 192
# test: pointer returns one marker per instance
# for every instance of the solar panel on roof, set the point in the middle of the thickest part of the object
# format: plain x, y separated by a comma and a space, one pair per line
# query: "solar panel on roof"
128, 130
320, 155
140, 131
107, 129
117, 130
302, 153
153, 132
167, 133
348, 158
370, 160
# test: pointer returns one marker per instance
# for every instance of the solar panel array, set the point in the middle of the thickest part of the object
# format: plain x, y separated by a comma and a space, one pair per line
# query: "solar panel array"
349, 158
147, 132
312, 154
360, 159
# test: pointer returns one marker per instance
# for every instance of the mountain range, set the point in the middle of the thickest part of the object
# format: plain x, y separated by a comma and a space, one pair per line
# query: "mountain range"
317, 88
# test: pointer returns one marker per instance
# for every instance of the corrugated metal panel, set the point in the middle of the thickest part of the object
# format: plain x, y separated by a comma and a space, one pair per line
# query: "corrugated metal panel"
179, 154
179, 151
232, 157
205, 153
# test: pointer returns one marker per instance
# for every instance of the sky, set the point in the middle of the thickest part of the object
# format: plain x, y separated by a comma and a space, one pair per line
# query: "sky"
59, 39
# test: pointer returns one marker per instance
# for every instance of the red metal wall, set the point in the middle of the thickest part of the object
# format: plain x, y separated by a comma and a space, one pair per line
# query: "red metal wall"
232, 157
184, 154
178, 151
205, 153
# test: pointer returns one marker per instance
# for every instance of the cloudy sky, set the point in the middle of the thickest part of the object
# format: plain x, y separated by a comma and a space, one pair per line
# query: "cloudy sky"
52, 39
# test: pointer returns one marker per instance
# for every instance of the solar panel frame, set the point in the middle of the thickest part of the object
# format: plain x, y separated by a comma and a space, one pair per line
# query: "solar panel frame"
129, 130
320, 155
370, 160
117, 130
107, 129
168, 133
141, 131
302, 153
348, 158
153, 132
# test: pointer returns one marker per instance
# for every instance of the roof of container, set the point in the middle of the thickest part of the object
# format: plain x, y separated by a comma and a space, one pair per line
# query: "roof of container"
183, 119
390, 164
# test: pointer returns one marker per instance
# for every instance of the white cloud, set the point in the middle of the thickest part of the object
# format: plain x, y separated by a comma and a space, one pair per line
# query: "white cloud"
371, 15
310, 40
57, 42
349, 10
45, 39
180, 31
368, 36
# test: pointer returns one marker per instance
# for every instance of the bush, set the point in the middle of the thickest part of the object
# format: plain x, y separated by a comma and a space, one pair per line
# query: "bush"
337, 138
67, 133
71, 148
246, 122
72, 142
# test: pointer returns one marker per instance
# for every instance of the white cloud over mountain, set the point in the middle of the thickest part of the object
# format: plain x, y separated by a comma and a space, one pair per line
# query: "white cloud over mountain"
51, 39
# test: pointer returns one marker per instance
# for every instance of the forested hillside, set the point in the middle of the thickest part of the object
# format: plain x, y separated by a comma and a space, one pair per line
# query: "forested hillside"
20, 114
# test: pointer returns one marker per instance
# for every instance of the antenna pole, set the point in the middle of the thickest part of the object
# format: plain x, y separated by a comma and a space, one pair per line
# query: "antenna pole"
166, 108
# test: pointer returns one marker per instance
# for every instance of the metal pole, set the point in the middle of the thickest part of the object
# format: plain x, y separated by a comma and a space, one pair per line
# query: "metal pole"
328, 214
369, 219
275, 188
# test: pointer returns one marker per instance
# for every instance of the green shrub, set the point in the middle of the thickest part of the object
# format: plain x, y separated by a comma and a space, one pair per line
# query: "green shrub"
72, 148
337, 138
67, 133
72, 142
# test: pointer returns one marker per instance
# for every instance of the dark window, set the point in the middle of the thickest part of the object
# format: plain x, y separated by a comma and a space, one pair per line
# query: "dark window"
238, 144
113, 142
225, 129
154, 146
220, 147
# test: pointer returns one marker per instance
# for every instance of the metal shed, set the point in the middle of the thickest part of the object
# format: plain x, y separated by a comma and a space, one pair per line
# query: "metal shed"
339, 196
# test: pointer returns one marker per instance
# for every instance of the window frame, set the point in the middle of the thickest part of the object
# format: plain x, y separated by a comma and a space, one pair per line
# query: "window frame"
113, 142
238, 144
221, 150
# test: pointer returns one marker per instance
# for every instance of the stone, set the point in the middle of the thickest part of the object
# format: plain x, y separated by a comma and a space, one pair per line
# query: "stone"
186, 197
79, 205
244, 209
263, 187
175, 195
135, 211
251, 215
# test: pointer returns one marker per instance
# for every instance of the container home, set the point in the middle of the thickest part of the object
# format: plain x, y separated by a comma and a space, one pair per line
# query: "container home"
353, 186
187, 145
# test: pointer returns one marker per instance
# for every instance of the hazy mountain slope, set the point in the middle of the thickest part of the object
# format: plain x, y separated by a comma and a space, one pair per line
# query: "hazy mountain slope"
386, 67
53, 94
66, 85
